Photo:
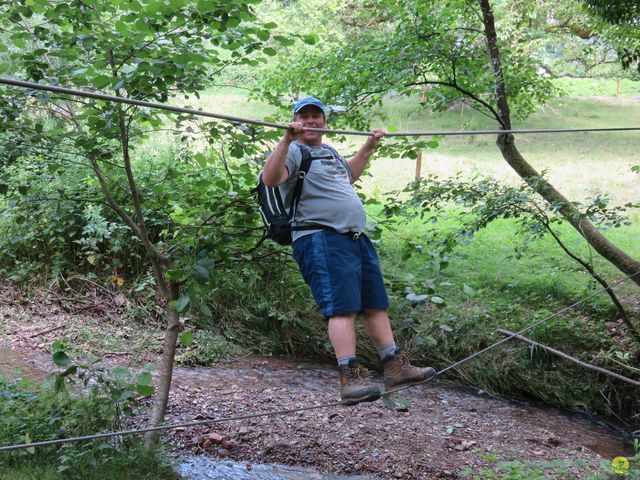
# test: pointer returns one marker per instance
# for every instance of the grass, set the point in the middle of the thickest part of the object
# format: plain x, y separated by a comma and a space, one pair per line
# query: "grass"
579, 164
137, 464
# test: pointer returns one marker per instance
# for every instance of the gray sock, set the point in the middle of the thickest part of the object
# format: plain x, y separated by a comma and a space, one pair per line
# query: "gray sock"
386, 350
345, 360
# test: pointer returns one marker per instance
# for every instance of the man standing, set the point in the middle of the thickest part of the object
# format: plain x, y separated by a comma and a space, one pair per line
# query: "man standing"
336, 258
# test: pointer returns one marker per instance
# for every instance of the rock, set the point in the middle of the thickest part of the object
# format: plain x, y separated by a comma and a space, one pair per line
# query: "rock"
229, 444
465, 445
214, 437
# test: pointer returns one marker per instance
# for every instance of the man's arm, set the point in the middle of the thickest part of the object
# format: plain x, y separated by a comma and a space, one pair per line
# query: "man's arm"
275, 171
359, 161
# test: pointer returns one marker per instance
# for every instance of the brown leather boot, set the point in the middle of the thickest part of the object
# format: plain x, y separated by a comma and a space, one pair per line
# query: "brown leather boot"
398, 371
355, 386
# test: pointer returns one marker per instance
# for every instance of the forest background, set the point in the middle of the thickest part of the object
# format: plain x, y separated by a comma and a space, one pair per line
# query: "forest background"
158, 209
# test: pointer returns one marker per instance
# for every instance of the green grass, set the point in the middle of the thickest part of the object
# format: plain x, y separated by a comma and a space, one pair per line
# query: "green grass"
588, 87
135, 463
579, 164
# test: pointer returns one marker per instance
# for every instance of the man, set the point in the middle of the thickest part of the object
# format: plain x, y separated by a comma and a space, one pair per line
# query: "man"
336, 258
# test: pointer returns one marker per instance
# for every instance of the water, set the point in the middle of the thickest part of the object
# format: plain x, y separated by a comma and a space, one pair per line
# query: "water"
204, 468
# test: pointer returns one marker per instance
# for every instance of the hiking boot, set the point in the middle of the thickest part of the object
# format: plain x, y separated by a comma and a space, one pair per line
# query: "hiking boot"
355, 386
398, 371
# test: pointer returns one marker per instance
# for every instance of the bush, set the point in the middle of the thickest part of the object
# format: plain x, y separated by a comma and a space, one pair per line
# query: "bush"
82, 400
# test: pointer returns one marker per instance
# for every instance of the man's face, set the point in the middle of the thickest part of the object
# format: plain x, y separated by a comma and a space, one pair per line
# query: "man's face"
313, 117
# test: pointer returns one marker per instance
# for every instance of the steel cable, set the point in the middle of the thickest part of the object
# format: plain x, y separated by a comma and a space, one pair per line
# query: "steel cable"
231, 118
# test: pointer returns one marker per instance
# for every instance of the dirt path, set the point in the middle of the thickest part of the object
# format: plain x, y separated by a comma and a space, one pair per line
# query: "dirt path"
445, 430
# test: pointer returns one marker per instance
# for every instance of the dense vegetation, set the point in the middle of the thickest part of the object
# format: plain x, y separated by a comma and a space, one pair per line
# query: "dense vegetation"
161, 206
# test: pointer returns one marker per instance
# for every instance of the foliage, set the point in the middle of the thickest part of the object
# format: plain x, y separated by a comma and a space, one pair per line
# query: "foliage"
435, 50
177, 212
539, 470
620, 27
81, 400
480, 201
208, 349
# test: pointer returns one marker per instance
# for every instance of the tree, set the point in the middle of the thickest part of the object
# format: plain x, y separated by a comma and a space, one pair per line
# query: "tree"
620, 26
144, 49
454, 50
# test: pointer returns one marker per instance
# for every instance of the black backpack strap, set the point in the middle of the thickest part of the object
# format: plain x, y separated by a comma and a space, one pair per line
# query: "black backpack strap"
305, 165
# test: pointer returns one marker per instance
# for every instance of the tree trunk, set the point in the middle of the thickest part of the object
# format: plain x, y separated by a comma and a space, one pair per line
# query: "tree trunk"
506, 143
161, 398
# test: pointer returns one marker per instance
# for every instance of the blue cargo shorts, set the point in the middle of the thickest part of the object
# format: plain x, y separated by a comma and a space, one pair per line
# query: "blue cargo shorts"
342, 271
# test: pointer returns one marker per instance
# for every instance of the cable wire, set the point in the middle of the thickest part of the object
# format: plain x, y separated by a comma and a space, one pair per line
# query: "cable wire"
231, 118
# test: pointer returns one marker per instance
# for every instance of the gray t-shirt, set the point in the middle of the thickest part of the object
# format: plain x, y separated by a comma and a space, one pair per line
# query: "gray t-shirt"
328, 198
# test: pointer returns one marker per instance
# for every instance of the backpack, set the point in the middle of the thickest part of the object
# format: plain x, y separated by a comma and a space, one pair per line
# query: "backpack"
277, 220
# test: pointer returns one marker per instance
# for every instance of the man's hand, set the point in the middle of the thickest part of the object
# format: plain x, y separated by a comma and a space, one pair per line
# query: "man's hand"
373, 141
294, 131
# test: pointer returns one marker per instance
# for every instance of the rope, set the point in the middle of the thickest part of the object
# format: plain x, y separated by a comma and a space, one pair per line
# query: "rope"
301, 409
231, 118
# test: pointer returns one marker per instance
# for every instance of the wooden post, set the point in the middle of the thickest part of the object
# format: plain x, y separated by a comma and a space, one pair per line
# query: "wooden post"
618, 89
419, 164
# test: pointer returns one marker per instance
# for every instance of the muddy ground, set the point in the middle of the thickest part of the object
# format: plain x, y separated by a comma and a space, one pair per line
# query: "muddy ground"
445, 429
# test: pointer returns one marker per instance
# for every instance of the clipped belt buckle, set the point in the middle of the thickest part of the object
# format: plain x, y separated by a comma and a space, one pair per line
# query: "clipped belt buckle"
356, 235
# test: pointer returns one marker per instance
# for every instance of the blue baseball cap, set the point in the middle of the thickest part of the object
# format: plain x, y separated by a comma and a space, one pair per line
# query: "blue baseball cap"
304, 102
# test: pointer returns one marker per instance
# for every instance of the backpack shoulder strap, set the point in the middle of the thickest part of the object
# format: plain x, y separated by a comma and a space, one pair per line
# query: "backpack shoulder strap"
305, 165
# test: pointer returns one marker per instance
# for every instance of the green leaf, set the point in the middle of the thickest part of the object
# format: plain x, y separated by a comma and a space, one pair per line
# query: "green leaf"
207, 263
4, 188
200, 273
121, 372
270, 51
144, 378
263, 35
181, 303
186, 339
388, 401
18, 40
175, 274
285, 41
125, 395
437, 300
60, 358
145, 390
101, 81
206, 311
311, 39
72, 370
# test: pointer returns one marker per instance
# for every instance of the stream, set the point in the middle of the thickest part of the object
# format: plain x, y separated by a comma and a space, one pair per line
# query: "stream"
445, 429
